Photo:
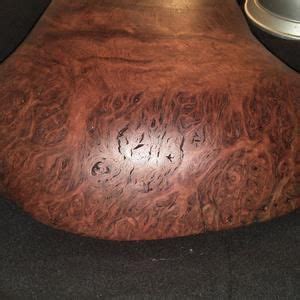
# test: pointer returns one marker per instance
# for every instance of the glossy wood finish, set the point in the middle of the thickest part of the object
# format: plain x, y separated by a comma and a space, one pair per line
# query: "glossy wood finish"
152, 120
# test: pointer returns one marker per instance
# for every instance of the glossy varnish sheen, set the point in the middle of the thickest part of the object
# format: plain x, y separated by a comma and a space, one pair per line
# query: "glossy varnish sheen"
148, 119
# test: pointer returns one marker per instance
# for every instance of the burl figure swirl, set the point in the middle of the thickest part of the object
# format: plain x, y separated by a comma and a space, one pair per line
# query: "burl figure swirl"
139, 120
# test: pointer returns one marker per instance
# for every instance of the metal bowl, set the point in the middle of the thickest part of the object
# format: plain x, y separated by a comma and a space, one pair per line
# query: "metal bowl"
278, 17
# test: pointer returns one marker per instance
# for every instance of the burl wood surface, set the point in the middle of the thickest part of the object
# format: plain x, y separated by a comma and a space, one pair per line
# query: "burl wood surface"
148, 119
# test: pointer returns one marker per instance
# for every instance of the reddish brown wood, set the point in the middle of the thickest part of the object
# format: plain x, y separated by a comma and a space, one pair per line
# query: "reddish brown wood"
124, 120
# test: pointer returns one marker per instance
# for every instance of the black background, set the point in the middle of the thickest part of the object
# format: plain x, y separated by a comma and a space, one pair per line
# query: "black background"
17, 17
256, 262
36, 262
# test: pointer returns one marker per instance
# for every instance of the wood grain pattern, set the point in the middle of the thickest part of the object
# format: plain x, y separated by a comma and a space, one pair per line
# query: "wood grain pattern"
144, 121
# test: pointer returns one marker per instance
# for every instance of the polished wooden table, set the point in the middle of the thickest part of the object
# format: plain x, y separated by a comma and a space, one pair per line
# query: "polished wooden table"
148, 119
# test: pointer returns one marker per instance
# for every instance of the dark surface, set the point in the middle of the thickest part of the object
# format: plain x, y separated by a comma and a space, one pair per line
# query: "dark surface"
256, 262
16, 19
36, 262
286, 50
